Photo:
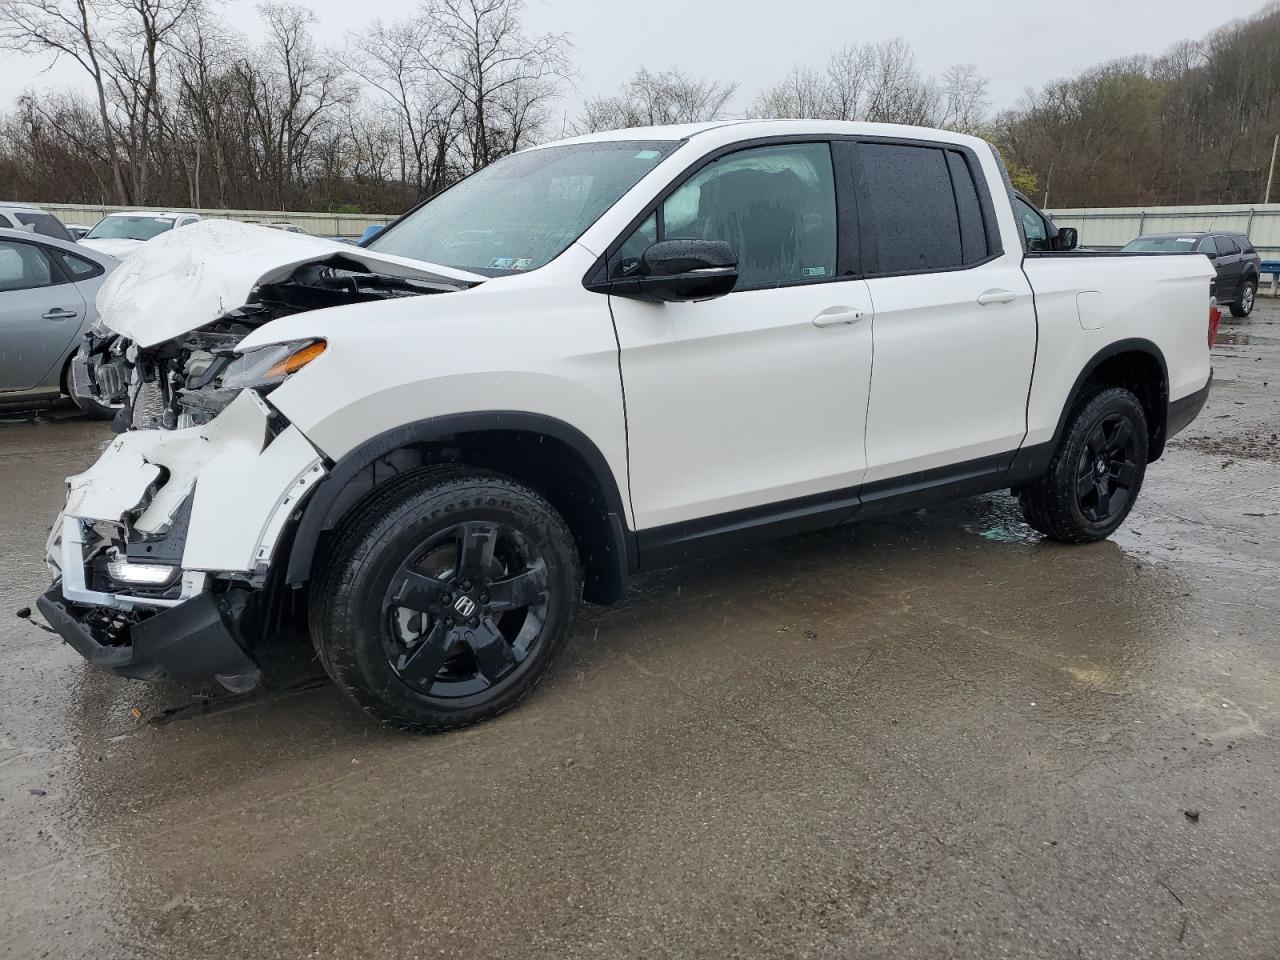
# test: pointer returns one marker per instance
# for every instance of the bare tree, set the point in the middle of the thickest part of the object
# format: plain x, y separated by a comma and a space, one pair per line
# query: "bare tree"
66, 28
964, 99
482, 53
668, 96
395, 60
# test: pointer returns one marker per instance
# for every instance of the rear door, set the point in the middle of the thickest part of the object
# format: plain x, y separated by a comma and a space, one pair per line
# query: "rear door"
954, 323
1230, 263
40, 313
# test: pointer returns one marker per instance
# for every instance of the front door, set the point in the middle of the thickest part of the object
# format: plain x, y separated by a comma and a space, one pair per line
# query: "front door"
758, 397
40, 314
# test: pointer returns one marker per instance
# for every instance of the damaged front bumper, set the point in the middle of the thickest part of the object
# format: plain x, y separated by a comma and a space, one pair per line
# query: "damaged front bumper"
166, 542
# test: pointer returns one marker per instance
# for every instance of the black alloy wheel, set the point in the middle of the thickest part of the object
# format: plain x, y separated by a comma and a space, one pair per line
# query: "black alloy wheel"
1108, 469
465, 609
443, 597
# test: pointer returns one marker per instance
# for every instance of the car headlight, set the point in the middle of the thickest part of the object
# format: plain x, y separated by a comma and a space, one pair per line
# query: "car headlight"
269, 366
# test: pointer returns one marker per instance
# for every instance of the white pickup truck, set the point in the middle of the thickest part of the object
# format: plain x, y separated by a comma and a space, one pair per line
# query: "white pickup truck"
593, 358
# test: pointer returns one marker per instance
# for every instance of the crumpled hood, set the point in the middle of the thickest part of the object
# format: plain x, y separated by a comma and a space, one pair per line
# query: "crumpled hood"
191, 276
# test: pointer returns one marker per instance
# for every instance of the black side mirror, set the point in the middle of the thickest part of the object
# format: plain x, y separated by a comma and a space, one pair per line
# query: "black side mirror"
681, 270
1068, 238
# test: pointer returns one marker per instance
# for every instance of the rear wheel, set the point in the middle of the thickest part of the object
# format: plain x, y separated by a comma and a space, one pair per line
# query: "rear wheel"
1096, 473
444, 599
1244, 306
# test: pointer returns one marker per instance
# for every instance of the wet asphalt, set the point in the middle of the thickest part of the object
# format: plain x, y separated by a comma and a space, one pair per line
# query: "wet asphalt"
930, 735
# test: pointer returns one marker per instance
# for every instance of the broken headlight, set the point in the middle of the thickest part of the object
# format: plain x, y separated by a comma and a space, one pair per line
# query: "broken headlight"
265, 367
262, 369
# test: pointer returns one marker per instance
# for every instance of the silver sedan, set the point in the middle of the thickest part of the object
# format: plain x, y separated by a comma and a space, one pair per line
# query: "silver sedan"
47, 293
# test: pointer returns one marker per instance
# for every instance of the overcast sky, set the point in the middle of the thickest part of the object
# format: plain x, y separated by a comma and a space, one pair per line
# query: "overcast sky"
1015, 43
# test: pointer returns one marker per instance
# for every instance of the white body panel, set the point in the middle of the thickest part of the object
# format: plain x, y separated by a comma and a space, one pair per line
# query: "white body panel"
741, 401
1160, 299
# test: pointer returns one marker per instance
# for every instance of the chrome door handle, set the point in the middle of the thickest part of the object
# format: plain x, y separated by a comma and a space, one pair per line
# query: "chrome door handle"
996, 296
834, 316
57, 313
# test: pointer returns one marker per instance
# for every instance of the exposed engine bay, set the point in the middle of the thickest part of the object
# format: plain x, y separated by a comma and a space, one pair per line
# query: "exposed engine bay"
189, 380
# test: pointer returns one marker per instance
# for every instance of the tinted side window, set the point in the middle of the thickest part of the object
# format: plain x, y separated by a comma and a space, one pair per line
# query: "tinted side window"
77, 268
1226, 247
908, 208
45, 223
973, 232
23, 266
776, 206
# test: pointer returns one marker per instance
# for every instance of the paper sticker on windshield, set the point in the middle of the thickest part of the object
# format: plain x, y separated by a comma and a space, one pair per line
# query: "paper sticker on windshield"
510, 263
814, 272
648, 155
1186, 239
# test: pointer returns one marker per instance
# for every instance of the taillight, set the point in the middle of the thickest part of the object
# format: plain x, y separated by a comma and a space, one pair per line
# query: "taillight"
1215, 318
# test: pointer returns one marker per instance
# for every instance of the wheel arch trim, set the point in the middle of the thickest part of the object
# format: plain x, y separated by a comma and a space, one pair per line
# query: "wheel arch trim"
436, 429
1032, 461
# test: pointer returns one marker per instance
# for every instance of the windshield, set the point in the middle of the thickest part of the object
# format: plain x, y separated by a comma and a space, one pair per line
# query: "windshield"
44, 223
1162, 245
523, 211
129, 228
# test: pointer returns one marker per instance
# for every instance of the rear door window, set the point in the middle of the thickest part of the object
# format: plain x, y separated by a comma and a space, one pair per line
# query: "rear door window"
44, 223
1226, 246
907, 209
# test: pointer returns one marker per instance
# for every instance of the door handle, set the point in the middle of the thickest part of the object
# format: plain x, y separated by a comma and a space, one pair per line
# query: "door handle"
996, 296
57, 313
834, 316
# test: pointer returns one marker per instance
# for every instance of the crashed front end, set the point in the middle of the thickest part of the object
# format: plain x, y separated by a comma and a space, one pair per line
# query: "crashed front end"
162, 556
164, 544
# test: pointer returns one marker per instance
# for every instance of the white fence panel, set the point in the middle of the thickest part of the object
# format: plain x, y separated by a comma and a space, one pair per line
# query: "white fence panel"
1111, 227
320, 224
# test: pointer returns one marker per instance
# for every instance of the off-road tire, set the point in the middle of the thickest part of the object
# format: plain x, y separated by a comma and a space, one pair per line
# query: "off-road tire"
345, 607
1243, 306
1051, 504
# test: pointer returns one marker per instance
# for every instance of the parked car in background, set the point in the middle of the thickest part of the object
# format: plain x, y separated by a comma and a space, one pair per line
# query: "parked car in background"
78, 231
370, 232
1234, 258
813, 322
28, 216
119, 234
286, 227
48, 290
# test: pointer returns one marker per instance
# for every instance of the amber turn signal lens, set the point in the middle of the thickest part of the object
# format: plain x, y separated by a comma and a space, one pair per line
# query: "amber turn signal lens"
296, 360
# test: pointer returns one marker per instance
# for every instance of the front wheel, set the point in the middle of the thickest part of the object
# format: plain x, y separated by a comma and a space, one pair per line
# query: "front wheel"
1096, 472
444, 599
1244, 306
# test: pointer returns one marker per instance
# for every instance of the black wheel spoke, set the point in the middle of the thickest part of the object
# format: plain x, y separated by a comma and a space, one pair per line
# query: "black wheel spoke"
1097, 443
1086, 486
492, 651
475, 549
1105, 491
418, 591
518, 591
421, 664
1122, 439
1126, 474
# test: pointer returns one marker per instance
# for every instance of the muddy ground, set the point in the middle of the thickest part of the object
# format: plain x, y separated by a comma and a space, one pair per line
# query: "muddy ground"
932, 735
